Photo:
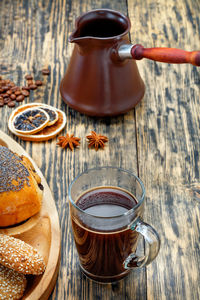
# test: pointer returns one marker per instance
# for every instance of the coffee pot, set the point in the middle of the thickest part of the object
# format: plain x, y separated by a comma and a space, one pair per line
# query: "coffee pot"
102, 78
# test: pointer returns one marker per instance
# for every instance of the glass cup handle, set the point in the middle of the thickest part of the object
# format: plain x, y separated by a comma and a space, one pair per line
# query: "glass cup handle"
151, 238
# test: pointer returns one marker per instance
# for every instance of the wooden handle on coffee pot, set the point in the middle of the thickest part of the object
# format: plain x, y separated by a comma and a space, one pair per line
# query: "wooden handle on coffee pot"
167, 55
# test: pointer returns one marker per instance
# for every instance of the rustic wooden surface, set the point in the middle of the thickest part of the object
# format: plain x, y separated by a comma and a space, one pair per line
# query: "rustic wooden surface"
159, 139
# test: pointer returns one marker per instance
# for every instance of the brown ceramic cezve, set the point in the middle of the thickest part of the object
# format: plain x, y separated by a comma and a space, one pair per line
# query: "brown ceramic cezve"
100, 80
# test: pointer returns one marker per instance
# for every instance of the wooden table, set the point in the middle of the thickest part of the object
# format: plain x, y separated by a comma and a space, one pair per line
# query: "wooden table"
159, 139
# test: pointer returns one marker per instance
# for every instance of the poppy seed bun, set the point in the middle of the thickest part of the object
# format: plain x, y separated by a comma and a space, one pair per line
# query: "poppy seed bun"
21, 191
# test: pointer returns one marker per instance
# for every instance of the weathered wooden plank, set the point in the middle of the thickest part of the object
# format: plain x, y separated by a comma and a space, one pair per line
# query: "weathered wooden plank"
168, 145
33, 35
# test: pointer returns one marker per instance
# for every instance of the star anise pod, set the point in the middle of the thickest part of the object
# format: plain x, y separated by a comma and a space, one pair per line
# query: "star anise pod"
68, 141
96, 140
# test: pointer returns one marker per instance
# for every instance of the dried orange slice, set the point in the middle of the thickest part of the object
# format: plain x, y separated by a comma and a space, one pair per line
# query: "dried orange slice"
45, 134
30, 121
53, 115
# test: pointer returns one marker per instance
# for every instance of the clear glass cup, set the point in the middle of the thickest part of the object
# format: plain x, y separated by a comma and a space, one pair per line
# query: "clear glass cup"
106, 209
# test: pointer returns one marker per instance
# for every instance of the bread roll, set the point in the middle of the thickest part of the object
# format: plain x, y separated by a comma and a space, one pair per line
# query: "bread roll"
20, 256
12, 284
21, 190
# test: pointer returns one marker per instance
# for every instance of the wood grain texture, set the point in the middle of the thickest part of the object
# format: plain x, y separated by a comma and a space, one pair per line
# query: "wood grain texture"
159, 139
36, 34
167, 123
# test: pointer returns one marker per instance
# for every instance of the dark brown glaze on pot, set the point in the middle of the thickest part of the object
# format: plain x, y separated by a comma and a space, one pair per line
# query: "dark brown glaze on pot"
97, 82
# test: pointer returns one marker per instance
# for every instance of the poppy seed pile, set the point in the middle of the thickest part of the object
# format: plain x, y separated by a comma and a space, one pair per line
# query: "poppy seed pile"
14, 175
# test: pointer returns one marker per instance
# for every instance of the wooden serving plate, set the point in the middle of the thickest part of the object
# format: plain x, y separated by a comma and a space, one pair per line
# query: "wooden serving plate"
42, 231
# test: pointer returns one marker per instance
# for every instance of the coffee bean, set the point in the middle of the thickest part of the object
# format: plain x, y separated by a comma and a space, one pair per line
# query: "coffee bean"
9, 85
45, 71
17, 93
29, 82
20, 98
33, 86
6, 100
29, 77
9, 92
13, 96
5, 95
11, 104
25, 93
38, 82
26, 88
15, 88
5, 88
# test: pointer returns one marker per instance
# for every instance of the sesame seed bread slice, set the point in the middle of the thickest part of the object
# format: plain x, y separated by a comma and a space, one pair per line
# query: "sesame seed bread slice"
12, 284
17, 255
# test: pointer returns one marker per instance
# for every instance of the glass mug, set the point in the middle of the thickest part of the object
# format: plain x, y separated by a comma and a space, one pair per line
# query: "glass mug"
106, 208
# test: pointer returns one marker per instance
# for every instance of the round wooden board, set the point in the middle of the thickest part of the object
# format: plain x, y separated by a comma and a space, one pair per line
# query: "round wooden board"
42, 232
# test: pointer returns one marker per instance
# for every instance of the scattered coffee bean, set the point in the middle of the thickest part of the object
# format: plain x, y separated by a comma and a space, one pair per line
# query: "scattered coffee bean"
20, 98
9, 92
5, 88
5, 95
6, 100
29, 77
26, 88
13, 96
17, 93
11, 104
29, 82
38, 82
45, 71
15, 88
33, 87
25, 93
